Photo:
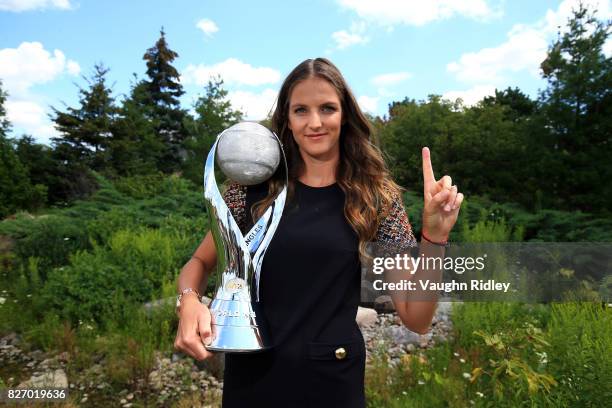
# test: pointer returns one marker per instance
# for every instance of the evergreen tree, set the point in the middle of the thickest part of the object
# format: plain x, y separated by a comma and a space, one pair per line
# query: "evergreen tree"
38, 160
214, 114
578, 107
16, 190
86, 130
135, 148
5, 125
164, 89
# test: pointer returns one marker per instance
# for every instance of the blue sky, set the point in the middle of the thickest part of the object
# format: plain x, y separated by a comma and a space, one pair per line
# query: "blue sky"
386, 49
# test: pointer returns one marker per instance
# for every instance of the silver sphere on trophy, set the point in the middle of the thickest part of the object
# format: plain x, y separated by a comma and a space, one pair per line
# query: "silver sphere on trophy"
247, 153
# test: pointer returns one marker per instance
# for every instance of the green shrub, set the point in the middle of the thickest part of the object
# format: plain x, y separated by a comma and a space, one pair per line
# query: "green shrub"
102, 228
492, 317
580, 337
50, 238
152, 185
512, 364
103, 283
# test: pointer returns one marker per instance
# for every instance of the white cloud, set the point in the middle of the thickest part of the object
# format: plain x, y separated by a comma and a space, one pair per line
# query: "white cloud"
208, 26
20, 69
255, 106
32, 118
607, 48
558, 18
232, 71
26, 5
30, 64
418, 12
471, 96
368, 103
345, 39
355, 35
73, 68
524, 49
391, 78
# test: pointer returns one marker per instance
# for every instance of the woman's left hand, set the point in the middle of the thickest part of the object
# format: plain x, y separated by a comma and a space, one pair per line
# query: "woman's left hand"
442, 202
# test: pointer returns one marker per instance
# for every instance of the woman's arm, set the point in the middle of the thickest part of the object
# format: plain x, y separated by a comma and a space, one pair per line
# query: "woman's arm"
194, 328
196, 271
442, 202
417, 315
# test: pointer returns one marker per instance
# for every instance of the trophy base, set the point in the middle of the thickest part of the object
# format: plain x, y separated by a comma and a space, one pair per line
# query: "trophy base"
234, 327
236, 339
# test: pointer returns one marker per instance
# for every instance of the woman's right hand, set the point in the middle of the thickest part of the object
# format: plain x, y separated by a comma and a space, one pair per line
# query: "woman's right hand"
194, 329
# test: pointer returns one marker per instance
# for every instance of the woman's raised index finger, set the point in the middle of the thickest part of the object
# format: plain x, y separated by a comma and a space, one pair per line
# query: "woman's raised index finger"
428, 174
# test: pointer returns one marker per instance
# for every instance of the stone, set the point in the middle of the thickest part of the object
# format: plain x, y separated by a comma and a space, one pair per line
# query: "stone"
401, 335
384, 304
366, 317
50, 379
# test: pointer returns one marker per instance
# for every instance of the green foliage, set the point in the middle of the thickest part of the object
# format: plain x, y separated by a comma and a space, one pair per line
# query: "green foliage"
214, 114
5, 125
104, 283
152, 185
162, 92
577, 105
50, 238
135, 147
85, 131
491, 317
580, 337
508, 374
130, 350
16, 190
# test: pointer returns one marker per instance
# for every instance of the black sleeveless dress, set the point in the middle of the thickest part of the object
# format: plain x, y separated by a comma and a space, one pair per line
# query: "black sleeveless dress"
309, 294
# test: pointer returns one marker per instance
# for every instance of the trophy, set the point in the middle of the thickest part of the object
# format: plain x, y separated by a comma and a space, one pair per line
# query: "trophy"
247, 153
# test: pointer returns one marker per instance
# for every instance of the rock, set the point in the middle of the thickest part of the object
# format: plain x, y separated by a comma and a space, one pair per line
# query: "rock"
49, 362
155, 380
129, 396
366, 317
424, 339
11, 338
50, 379
383, 304
401, 335
444, 308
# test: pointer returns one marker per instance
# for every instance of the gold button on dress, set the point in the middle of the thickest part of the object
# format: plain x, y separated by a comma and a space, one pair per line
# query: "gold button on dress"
340, 353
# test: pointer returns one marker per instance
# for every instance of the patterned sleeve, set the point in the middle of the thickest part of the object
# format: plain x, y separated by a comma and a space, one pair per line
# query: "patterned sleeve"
235, 199
394, 229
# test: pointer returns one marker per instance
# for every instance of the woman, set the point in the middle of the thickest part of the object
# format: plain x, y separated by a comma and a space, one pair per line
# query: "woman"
340, 198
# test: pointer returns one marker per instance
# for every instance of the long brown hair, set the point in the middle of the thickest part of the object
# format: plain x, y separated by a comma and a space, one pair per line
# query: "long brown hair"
361, 174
